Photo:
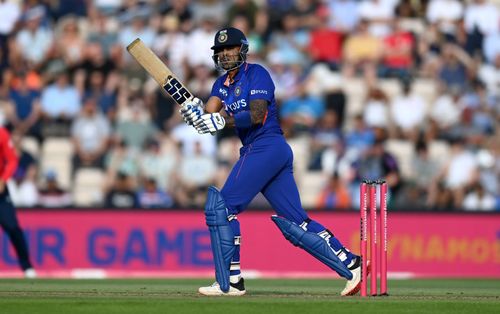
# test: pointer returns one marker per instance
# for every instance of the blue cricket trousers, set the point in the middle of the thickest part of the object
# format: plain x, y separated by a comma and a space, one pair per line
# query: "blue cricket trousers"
266, 166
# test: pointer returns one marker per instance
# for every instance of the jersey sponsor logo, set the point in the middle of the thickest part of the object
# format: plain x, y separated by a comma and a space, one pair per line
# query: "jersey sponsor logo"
258, 91
223, 92
237, 91
240, 103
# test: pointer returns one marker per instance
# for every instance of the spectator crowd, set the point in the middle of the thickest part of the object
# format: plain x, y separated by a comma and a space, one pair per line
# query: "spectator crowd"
406, 90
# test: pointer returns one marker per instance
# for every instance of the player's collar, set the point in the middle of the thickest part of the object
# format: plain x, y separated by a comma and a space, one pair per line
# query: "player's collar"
235, 79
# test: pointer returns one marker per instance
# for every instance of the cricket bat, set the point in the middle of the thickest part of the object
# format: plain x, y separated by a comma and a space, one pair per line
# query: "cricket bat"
159, 71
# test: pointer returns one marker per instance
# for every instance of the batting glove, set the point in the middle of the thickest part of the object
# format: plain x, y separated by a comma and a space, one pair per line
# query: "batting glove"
209, 123
192, 110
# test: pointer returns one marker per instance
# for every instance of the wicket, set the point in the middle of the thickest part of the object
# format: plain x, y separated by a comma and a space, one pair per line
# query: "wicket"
378, 248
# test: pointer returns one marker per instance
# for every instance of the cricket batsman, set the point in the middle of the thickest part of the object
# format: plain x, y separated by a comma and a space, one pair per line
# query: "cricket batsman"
243, 98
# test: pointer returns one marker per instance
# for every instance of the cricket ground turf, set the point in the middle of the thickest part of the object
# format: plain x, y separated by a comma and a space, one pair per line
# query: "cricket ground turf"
143, 296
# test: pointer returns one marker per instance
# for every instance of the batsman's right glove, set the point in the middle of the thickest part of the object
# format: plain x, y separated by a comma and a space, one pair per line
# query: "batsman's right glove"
210, 123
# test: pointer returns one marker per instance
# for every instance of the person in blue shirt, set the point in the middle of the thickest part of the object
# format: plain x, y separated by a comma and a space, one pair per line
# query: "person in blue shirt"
243, 98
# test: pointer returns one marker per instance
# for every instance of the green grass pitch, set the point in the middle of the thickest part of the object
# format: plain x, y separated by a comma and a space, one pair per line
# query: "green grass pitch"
144, 296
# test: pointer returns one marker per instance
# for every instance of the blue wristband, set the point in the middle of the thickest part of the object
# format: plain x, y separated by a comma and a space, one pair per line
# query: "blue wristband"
243, 120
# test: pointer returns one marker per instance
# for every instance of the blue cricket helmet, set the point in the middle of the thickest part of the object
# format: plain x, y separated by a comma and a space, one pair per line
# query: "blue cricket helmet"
229, 37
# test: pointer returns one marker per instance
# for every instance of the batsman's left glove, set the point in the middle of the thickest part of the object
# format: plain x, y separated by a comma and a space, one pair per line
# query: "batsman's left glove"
192, 111
210, 123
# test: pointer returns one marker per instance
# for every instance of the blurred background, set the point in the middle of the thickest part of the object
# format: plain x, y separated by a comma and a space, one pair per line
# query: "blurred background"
405, 90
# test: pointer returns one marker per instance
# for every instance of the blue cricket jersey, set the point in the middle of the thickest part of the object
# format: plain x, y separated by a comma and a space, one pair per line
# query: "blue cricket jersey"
252, 82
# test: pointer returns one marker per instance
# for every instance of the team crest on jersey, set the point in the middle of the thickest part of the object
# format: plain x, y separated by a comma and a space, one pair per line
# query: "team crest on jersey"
222, 36
237, 91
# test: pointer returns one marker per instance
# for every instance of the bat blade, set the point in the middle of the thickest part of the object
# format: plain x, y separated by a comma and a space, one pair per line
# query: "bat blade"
159, 71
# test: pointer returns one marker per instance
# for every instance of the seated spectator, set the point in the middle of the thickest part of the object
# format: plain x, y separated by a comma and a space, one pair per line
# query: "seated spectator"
378, 163
120, 159
96, 60
151, 196
163, 110
474, 127
69, 41
335, 195
488, 160
451, 182
423, 170
60, 103
361, 53
188, 141
154, 163
34, 41
104, 91
90, 134
101, 29
379, 15
300, 113
10, 11
26, 115
489, 74
428, 59
136, 128
325, 44
201, 82
408, 112
444, 113
290, 41
172, 42
23, 191
52, 195
18, 72
324, 134
121, 193
255, 35
376, 111
480, 20
343, 15
478, 199
136, 26
196, 173
455, 66
398, 52
286, 78
201, 36
407, 9
446, 14
242, 7
491, 48
360, 137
